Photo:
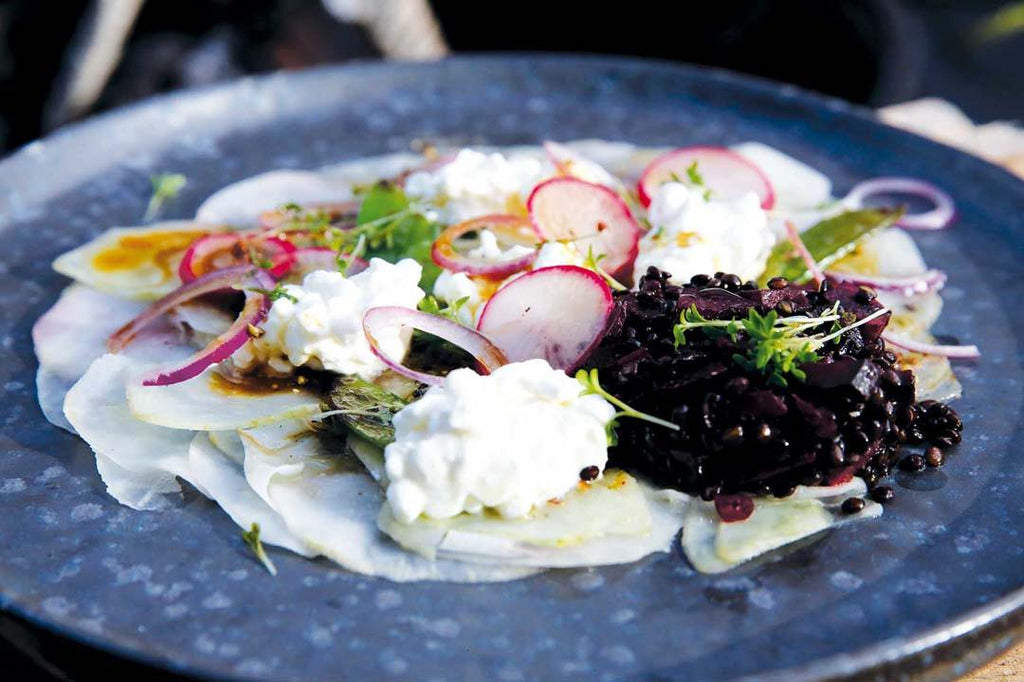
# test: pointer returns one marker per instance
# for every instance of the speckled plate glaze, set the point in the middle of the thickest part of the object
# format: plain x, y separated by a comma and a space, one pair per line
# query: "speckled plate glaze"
933, 586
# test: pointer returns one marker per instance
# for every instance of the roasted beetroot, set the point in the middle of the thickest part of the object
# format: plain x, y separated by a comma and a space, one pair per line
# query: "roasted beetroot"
742, 431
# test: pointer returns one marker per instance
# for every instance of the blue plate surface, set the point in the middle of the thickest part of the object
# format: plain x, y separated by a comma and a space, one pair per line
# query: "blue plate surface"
934, 584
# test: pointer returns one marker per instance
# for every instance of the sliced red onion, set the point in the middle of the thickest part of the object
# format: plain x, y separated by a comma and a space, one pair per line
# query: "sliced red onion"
313, 258
212, 282
218, 251
723, 171
515, 229
473, 342
970, 352
221, 348
805, 254
939, 217
913, 285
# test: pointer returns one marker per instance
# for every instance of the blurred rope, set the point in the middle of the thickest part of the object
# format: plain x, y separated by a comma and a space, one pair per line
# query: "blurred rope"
90, 62
401, 29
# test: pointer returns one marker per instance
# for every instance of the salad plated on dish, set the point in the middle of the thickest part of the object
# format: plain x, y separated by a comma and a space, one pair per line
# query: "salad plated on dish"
476, 364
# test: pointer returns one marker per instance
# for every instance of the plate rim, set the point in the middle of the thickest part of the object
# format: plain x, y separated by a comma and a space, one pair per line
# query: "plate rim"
1003, 617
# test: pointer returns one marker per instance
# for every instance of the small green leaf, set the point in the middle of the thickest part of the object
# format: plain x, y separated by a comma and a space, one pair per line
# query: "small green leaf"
827, 241
252, 540
166, 186
363, 408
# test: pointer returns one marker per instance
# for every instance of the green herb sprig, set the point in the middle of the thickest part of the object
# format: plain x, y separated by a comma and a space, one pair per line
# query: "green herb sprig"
166, 186
277, 293
593, 262
776, 346
432, 306
592, 386
252, 540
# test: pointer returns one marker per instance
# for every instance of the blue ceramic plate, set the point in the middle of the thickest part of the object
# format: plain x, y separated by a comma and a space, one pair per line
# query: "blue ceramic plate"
934, 585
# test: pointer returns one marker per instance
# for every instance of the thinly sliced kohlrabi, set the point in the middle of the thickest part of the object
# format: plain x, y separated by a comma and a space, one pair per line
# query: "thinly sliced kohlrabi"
222, 479
574, 164
557, 313
615, 520
209, 402
797, 186
138, 462
328, 500
714, 546
139, 263
594, 218
241, 204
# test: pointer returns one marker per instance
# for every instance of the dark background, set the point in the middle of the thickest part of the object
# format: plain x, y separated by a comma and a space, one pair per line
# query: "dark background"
871, 52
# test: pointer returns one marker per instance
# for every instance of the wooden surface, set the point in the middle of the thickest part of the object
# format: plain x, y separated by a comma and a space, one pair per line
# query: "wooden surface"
1007, 668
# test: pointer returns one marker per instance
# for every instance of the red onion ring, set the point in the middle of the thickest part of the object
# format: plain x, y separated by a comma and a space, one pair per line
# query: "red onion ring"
204, 252
801, 248
211, 282
938, 218
970, 352
476, 344
913, 285
515, 229
221, 348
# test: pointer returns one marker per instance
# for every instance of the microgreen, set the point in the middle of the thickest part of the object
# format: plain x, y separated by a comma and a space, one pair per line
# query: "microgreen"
775, 346
252, 540
277, 293
593, 262
166, 186
432, 306
592, 386
347, 256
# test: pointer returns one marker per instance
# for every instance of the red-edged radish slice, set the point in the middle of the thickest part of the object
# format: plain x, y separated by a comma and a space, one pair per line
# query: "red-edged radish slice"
592, 216
571, 163
219, 251
488, 356
727, 174
557, 313
510, 228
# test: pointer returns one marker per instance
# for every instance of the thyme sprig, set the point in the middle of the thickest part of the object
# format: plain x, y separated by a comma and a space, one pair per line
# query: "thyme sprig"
776, 346
592, 386
252, 540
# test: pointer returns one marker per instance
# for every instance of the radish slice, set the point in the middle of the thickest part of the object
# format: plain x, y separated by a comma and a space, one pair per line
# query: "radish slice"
557, 313
592, 216
571, 163
938, 218
476, 344
510, 228
215, 281
727, 174
957, 352
913, 285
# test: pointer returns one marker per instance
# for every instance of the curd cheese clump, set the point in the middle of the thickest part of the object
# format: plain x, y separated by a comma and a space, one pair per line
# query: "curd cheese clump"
691, 235
507, 441
476, 183
323, 326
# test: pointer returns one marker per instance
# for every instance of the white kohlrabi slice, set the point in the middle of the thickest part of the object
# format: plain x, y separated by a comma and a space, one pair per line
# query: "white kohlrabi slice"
614, 521
328, 500
138, 462
228, 442
51, 390
798, 187
222, 479
372, 458
713, 546
241, 204
201, 404
119, 263
933, 374
366, 171
893, 253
